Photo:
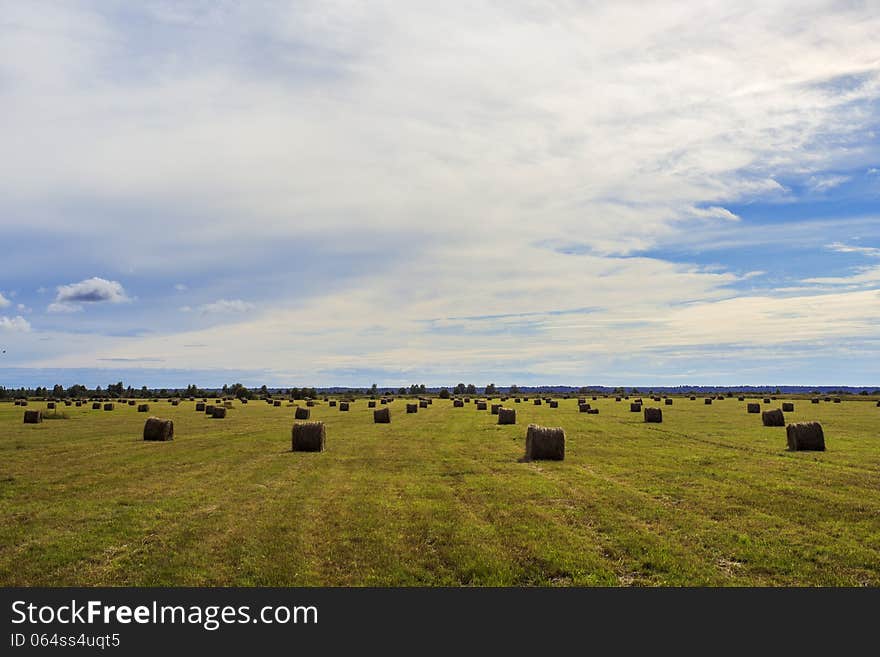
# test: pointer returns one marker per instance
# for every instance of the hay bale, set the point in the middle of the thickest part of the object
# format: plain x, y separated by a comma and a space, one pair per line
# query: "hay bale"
343, 406
753, 408
200, 407
495, 408
96, 406
815, 400
741, 398
158, 429
692, 398
773, 418
371, 404
301, 413
828, 399
837, 400
583, 407
803, 436
209, 409
78, 404
276, 403
457, 403
617, 399
131, 402
412, 408
310, 403
708, 401
787, 407
332, 403
143, 408
653, 415
667, 401
593, 411
382, 416
175, 402
219, 413
766, 400
554, 404
582, 400
546, 443
308, 437
537, 402
109, 406
50, 405
635, 408
423, 404
506, 416
33, 417
481, 406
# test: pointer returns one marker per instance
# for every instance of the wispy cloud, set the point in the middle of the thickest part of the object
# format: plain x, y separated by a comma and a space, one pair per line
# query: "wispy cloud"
840, 247
4, 302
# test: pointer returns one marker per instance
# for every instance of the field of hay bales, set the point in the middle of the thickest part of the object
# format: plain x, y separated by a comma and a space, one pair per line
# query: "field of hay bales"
709, 496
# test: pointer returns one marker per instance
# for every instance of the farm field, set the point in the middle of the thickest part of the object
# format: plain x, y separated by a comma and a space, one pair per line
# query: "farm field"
708, 497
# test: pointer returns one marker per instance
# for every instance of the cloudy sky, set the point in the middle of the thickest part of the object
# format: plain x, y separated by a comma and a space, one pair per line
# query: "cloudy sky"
319, 193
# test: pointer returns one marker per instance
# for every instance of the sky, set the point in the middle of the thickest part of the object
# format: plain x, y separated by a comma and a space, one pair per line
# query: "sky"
330, 193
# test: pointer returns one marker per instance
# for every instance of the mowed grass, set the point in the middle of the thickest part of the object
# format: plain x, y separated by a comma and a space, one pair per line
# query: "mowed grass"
709, 497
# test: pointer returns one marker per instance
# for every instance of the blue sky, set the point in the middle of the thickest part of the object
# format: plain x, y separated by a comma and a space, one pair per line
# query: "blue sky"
324, 193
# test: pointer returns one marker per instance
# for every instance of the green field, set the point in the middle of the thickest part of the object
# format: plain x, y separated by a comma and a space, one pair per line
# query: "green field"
709, 497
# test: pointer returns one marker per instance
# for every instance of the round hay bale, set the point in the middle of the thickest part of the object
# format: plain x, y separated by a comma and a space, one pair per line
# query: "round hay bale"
457, 403
301, 413
50, 405
219, 413
517, 400
243, 400
495, 408
708, 401
371, 404
583, 407
582, 400
200, 407
554, 404
741, 398
481, 406
653, 415
836, 400
308, 437
332, 403
143, 408
667, 401
209, 409
382, 416
787, 407
109, 406
158, 429
773, 418
131, 402
175, 402
815, 400
766, 400
506, 416
78, 404
423, 404
33, 417
803, 436
537, 402
753, 408
412, 408
310, 403
617, 399
692, 398
635, 407
544, 443
227, 404
276, 403
593, 411
96, 406
828, 399
343, 406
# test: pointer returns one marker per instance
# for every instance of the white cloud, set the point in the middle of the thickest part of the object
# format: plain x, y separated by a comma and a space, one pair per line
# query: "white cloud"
4, 302
825, 183
180, 287
93, 290
226, 306
840, 247
17, 323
